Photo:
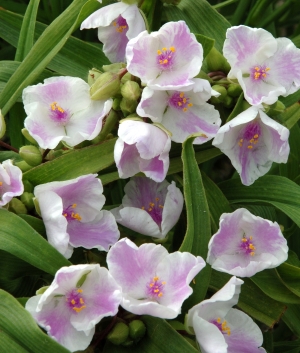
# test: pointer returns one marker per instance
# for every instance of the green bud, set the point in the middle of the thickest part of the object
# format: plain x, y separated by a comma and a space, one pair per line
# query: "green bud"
228, 102
23, 166
113, 67
93, 75
31, 155
2, 125
131, 90
128, 106
216, 61
126, 77
118, 334
137, 329
276, 108
28, 137
222, 90
27, 199
28, 187
17, 206
42, 290
234, 90
37, 206
116, 104
54, 154
106, 86
128, 343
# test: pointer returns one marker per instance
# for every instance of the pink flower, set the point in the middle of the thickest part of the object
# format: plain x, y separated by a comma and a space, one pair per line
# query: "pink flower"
10, 182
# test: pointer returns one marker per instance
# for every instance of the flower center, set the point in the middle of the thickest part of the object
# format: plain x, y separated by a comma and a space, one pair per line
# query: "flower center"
155, 210
179, 101
259, 72
120, 24
250, 135
75, 300
247, 246
165, 58
70, 214
155, 288
222, 326
58, 114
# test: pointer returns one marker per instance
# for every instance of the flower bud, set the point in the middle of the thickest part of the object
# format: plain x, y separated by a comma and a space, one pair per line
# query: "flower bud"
118, 334
137, 330
28, 136
234, 90
131, 90
54, 154
223, 93
28, 187
23, 166
17, 206
2, 125
126, 77
113, 67
228, 102
216, 61
276, 108
27, 199
31, 155
128, 106
116, 104
106, 86
93, 75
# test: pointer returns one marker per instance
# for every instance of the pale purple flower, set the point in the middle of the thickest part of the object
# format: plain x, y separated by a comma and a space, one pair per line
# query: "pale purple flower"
246, 244
253, 141
182, 112
221, 329
265, 67
148, 207
153, 281
116, 23
61, 109
166, 59
71, 213
72, 305
10, 182
142, 147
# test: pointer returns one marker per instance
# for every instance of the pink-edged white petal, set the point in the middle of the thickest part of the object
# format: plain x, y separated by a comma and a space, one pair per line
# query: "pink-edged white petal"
153, 104
127, 159
166, 59
246, 244
10, 182
253, 141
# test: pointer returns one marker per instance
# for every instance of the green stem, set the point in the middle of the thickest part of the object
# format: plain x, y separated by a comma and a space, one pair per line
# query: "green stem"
225, 3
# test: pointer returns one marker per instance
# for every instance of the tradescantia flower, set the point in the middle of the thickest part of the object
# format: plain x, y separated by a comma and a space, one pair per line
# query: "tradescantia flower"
264, 66
61, 109
10, 182
153, 281
116, 23
166, 59
253, 141
246, 244
78, 298
71, 212
221, 329
182, 112
142, 147
148, 207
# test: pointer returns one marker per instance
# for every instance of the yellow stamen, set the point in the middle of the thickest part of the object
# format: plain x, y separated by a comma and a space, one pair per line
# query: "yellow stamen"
244, 240
184, 100
65, 214
160, 294
79, 309
218, 320
150, 209
81, 301
250, 147
180, 104
159, 52
163, 282
142, 207
73, 301
1, 183
164, 49
151, 204
252, 253
181, 95
256, 68
79, 290
165, 61
115, 23
151, 285
251, 246
74, 205
251, 237
172, 49
156, 199
156, 291
155, 278
160, 206
255, 136
184, 109
190, 105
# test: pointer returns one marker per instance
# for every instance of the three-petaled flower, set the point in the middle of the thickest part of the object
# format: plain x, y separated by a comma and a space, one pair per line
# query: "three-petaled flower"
78, 298
253, 141
166, 59
265, 67
71, 213
61, 109
148, 207
116, 23
10, 182
153, 281
246, 244
220, 328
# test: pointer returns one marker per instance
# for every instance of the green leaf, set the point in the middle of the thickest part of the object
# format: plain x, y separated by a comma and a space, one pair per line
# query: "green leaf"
201, 18
198, 231
291, 115
206, 42
160, 338
18, 331
290, 276
291, 318
277, 191
238, 108
252, 300
26, 37
46, 47
19, 239
73, 164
